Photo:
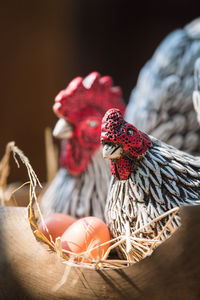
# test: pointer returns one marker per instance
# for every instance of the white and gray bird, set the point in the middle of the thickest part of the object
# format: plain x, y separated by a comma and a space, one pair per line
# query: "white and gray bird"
149, 178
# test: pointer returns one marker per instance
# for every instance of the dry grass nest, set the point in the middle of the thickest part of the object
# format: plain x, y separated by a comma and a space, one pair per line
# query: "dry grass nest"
141, 243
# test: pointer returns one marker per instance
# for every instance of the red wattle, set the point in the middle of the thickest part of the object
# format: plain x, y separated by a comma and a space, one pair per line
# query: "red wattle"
74, 157
121, 168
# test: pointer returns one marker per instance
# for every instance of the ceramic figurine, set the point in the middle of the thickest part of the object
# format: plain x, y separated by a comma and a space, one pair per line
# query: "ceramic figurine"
81, 184
149, 177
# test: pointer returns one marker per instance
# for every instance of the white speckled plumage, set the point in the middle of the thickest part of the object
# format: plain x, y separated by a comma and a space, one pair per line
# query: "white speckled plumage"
161, 179
81, 195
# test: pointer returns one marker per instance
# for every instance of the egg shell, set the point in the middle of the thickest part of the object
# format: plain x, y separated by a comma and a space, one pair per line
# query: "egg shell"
57, 224
84, 234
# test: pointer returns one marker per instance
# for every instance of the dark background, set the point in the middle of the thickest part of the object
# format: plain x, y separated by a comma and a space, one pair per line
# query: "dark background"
45, 44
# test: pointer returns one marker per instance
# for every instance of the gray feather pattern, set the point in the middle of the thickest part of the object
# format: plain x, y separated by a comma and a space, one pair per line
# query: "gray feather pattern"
155, 195
140, 180
157, 157
144, 171
191, 183
192, 172
168, 172
177, 166
137, 193
80, 195
160, 195
150, 163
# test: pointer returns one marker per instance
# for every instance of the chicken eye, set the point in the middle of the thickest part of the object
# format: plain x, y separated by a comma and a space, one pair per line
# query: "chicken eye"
130, 131
92, 123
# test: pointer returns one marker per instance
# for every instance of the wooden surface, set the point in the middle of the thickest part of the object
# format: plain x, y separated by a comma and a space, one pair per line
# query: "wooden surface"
28, 267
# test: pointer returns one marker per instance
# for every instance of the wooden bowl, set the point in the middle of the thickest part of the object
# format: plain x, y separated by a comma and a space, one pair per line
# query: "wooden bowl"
30, 270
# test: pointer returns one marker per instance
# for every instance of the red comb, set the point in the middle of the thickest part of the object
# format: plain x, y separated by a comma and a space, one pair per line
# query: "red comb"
92, 91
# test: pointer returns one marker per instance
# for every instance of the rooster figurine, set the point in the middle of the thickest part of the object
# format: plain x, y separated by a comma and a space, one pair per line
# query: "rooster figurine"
81, 184
161, 102
149, 176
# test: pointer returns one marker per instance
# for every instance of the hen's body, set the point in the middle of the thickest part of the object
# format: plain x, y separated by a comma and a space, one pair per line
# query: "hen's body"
161, 102
158, 180
81, 195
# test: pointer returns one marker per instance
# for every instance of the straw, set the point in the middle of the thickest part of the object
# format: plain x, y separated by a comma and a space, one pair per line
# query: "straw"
137, 245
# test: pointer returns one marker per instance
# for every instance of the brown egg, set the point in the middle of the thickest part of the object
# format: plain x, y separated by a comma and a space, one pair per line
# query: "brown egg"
85, 234
57, 224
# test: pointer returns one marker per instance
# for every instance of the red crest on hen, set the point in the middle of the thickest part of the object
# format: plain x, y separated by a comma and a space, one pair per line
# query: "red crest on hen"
93, 91
116, 130
83, 103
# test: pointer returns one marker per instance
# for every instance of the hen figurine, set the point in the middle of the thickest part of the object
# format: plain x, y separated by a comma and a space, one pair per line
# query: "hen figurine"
161, 102
81, 184
149, 176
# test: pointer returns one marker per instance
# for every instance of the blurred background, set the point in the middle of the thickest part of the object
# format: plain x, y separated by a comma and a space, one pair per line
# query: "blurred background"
46, 43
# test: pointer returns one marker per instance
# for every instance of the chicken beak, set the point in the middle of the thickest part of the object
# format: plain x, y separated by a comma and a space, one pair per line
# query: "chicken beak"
112, 151
63, 129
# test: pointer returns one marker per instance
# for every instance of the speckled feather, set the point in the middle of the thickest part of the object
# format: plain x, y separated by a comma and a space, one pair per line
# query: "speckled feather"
81, 195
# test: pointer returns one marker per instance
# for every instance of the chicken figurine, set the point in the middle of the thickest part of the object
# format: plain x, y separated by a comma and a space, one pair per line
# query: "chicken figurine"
80, 187
161, 102
149, 177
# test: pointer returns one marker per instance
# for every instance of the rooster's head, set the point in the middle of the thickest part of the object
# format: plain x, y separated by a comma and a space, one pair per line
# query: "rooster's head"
122, 143
80, 108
